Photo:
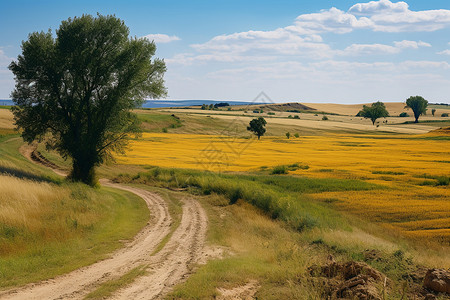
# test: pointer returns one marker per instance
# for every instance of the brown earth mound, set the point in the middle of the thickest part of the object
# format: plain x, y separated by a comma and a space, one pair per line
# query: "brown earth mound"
349, 280
442, 130
287, 107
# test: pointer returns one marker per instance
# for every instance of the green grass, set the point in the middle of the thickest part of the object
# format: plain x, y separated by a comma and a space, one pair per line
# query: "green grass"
155, 122
108, 288
260, 249
280, 197
388, 172
119, 216
69, 226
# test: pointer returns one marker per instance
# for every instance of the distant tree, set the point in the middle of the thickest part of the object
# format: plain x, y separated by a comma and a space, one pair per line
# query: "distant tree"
433, 111
297, 135
76, 89
373, 112
257, 126
221, 104
444, 115
288, 135
418, 105
296, 117
204, 106
211, 107
403, 115
324, 118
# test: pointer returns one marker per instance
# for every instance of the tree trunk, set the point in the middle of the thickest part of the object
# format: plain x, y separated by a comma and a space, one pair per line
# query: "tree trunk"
83, 171
417, 120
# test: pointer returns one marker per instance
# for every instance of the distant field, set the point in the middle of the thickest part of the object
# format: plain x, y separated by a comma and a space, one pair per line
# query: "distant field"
414, 170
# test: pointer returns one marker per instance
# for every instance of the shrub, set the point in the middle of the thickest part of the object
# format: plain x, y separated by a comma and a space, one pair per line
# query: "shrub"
443, 180
164, 130
296, 117
444, 115
271, 113
297, 135
403, 115
279, 170
324, 118
288, 135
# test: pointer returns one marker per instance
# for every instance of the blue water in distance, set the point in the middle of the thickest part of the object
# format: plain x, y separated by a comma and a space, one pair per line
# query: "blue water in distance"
167, 103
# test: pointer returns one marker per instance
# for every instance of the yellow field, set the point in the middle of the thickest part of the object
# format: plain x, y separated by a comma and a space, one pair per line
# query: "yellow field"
408, 166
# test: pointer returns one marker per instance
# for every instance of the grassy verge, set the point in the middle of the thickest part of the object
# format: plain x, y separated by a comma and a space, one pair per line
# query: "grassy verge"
277, 257
108, 288
280, 197
49, 227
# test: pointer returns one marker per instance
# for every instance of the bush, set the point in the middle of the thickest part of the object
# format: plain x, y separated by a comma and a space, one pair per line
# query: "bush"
271, 113
296, 117
164, 130
443, 180
297, 135
444, 115
403, 115
279, 170
324, 118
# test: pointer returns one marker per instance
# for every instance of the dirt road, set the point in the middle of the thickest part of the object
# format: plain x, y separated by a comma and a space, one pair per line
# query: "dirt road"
169, 266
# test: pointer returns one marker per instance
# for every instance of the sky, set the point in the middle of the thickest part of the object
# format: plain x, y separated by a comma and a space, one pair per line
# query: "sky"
294, 51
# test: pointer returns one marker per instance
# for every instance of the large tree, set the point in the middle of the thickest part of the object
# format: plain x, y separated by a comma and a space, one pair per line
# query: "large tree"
76, 90
373, 112
257, 126
418, 105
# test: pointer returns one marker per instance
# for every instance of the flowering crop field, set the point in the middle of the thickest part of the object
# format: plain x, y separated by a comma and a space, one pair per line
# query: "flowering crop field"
414, 169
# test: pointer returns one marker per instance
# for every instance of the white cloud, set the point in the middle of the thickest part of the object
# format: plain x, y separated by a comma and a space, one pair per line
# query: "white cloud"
376, 7
378, 49
382, 15
161, 38
445, 52
4, 59
369, 49
331, 20
411, 44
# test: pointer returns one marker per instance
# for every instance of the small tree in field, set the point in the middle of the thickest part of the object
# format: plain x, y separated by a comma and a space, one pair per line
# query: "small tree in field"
257, 126
288, 135
418, 105
77, 90
373, 112
433, 111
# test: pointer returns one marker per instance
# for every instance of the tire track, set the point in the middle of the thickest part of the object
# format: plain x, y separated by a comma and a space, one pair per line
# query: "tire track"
172, 264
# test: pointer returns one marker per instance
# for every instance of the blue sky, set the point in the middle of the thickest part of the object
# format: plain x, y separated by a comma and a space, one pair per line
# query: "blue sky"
309, 51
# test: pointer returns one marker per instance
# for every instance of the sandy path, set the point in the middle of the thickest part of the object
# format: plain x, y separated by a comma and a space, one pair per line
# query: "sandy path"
168, 267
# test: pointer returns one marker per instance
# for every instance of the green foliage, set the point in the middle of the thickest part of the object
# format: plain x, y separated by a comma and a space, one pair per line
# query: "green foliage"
280, 170
444, 115
271, 113
296, 117
288, 135
296, 135
403, 115
280, 197
373, 112
418, 105
433, 111
257, 126
324, 118
81, 86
